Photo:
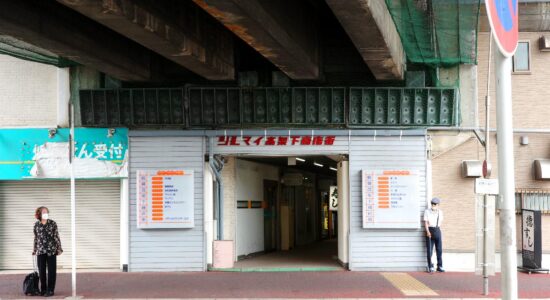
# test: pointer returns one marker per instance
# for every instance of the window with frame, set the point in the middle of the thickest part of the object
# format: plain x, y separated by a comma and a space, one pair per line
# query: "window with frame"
533, 199
522, 58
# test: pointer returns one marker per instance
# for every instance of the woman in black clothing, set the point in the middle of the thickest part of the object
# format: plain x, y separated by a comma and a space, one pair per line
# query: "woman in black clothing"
47, 246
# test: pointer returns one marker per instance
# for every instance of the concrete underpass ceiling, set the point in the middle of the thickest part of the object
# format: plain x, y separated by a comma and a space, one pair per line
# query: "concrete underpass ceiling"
150, 43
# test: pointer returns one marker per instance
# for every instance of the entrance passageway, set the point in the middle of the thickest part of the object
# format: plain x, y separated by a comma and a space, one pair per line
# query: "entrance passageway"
318, 256
284, 211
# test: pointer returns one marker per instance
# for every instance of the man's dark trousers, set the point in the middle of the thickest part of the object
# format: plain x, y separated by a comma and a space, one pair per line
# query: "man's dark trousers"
436, 240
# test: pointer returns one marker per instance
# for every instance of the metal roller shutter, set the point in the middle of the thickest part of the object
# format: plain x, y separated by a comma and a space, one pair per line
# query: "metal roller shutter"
98, 221
167, 249
386, 249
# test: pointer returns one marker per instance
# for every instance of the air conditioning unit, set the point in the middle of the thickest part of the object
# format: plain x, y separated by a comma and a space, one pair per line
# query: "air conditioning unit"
544, 44
472, 168
542, 169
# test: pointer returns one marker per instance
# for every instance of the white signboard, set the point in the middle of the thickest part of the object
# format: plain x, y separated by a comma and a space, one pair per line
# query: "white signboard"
486, 186
390, 199
165, 199
333, 198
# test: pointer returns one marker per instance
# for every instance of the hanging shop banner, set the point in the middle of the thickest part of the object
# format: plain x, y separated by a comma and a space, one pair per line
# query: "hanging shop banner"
165, 199
390, 199
44, 153
333, 198
531, 239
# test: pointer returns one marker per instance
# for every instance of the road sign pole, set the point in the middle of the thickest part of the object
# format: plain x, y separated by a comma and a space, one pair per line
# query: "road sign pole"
487, 172
485, 246
508, 255
73, 204
504, 20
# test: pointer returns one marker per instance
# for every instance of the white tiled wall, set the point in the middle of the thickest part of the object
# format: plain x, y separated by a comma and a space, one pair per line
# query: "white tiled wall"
29, 93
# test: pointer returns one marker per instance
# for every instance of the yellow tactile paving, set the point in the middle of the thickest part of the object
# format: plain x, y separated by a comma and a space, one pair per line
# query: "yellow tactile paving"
408, 285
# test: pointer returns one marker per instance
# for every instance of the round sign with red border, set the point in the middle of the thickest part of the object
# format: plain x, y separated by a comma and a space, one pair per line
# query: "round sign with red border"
503, 18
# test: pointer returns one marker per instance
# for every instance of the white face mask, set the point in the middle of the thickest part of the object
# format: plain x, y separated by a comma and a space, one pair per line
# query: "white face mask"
44, 216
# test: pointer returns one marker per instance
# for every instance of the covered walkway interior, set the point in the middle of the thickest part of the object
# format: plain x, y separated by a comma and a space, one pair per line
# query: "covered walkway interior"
318, 256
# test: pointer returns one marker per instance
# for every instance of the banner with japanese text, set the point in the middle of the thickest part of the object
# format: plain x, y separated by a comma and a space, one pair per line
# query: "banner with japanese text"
41, 153
531, 249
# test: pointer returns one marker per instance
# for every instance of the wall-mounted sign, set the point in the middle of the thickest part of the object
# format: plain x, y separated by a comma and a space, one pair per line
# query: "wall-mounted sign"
165, 199
486, 186
333, 198
531, 239
44, 153
293, 140
390, 199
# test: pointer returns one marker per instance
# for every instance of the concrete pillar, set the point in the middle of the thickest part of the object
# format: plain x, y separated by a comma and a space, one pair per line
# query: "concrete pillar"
208, 191
124, 223
343, 212
229, 202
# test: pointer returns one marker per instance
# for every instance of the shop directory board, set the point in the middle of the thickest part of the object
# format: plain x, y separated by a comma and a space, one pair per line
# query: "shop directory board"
165, 199
390, 199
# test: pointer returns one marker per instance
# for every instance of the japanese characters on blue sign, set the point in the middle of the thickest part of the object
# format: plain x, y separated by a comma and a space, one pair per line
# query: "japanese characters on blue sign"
22, 149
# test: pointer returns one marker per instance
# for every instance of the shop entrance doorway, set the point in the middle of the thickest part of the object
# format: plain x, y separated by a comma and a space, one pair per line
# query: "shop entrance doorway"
271, 191
284, 219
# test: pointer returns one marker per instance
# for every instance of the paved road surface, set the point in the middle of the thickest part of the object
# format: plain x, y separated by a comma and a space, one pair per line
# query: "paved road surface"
336, 284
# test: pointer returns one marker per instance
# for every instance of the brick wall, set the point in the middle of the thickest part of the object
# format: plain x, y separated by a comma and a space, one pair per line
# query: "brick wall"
28, 93
458, 193
529, 91
457, 196
531, 104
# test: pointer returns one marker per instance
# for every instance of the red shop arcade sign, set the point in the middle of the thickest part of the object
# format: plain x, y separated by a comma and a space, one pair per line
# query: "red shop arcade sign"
269, 140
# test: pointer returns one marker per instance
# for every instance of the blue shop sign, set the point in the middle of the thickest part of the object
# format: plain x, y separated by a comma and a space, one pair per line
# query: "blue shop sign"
44, 153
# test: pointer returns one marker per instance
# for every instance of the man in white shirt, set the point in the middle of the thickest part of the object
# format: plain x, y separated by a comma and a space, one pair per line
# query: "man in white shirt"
432, 222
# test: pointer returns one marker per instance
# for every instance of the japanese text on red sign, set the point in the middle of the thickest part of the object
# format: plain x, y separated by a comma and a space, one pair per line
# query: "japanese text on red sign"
295, 140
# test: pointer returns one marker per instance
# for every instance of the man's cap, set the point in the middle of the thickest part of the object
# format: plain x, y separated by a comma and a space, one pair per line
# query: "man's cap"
436, 200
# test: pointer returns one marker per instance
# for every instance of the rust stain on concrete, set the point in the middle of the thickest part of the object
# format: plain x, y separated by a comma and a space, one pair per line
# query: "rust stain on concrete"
231, 21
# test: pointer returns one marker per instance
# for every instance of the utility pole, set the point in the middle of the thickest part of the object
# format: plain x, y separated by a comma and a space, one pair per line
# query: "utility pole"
487, 173
508, 255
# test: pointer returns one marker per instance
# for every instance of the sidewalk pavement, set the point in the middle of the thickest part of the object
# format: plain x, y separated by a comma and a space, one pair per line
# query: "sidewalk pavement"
289, 285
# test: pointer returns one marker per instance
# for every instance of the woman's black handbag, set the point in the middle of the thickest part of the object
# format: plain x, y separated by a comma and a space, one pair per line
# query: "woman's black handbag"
30, 284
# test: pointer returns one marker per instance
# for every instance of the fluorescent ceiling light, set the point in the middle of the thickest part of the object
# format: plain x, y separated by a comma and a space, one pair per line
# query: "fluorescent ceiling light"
318, 164
334, 169
300, 159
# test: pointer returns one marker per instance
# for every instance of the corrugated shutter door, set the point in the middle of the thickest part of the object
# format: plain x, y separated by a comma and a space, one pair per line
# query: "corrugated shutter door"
167, 249
98, 224
385, 249
98, 221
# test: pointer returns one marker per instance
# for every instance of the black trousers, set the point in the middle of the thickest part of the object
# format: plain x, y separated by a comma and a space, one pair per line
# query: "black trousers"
435, 240
50, 262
